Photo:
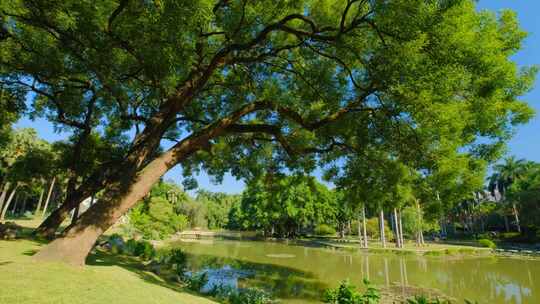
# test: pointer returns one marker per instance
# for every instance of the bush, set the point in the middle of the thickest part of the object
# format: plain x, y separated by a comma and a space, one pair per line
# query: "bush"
131, 246
196, 282
250, 296
231, 295
324, 229
144, 250
117, 243
487, 243
346, 293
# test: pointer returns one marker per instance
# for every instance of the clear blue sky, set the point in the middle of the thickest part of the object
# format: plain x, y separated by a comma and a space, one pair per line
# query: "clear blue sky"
525, 144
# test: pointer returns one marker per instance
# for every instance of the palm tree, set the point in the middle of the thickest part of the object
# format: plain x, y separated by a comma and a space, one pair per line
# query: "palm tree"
504, 176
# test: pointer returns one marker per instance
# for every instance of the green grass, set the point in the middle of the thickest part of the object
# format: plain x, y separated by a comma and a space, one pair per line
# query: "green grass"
107, 279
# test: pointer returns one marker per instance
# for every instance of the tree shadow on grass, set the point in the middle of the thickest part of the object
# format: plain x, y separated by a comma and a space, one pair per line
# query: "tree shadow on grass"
133, 264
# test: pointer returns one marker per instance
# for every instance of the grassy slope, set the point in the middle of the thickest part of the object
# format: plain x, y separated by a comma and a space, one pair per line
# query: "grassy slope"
107, 280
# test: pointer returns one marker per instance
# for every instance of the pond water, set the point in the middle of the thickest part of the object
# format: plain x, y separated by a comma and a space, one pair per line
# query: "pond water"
299, 274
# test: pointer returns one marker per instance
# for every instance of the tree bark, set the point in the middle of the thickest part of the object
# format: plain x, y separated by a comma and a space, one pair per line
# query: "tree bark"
79, 238
5, 190
38, 207
396, 229
381, 228
51, 187
516, 217
15, 203
506, 225
364, 228
6, 205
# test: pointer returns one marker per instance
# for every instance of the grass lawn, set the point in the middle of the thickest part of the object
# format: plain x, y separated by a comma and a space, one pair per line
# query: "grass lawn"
106, 280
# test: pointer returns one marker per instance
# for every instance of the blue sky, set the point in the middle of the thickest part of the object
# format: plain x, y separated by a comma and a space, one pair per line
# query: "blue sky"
525, 144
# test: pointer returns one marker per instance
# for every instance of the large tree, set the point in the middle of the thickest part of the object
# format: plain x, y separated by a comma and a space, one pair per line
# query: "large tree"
243, 85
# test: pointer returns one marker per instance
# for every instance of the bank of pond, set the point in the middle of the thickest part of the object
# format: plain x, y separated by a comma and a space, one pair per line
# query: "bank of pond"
241, 271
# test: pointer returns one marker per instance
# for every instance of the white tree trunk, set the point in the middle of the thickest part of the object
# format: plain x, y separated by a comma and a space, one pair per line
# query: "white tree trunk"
3, 195
516, 217
38, 207
364, 228
48, 197
396, 229
6, 205
400, 225
381, 228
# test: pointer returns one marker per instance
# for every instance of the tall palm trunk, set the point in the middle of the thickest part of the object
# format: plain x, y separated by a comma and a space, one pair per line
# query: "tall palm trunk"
381, 228
6, 205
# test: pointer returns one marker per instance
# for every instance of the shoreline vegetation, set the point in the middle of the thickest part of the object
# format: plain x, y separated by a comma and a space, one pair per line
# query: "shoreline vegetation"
144, 272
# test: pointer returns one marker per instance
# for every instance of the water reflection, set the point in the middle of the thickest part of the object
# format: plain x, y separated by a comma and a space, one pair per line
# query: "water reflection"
297, 272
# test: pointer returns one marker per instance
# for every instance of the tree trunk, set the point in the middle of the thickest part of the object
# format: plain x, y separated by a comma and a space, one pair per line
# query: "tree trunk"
38, 207
396, 229
78, 239
75, 214
506, 223
15, 203
381, 228
516, 217
400, 225
364, 228
5, 191
23, 208
6, 205
48, 196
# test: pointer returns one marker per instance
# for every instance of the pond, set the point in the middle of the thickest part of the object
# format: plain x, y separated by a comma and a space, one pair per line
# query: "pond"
299, 274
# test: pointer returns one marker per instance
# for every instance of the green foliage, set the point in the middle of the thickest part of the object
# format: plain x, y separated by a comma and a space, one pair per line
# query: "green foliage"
373, 230
487, 243
218, 207
250, 296
158, 216
231, 295
324, 229
346, 293
145, 250
286, 205
196, 281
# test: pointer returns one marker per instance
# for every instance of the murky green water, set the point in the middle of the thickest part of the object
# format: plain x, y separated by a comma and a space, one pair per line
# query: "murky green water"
298, 274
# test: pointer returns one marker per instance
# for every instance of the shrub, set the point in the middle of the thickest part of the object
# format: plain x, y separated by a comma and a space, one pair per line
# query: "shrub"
250, 296
131, 246
487, 243
117, 243
231, 295
323, 229
346, 293
145, 250
196, 282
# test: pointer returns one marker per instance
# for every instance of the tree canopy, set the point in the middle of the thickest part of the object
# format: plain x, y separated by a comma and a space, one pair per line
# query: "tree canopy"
252, 86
